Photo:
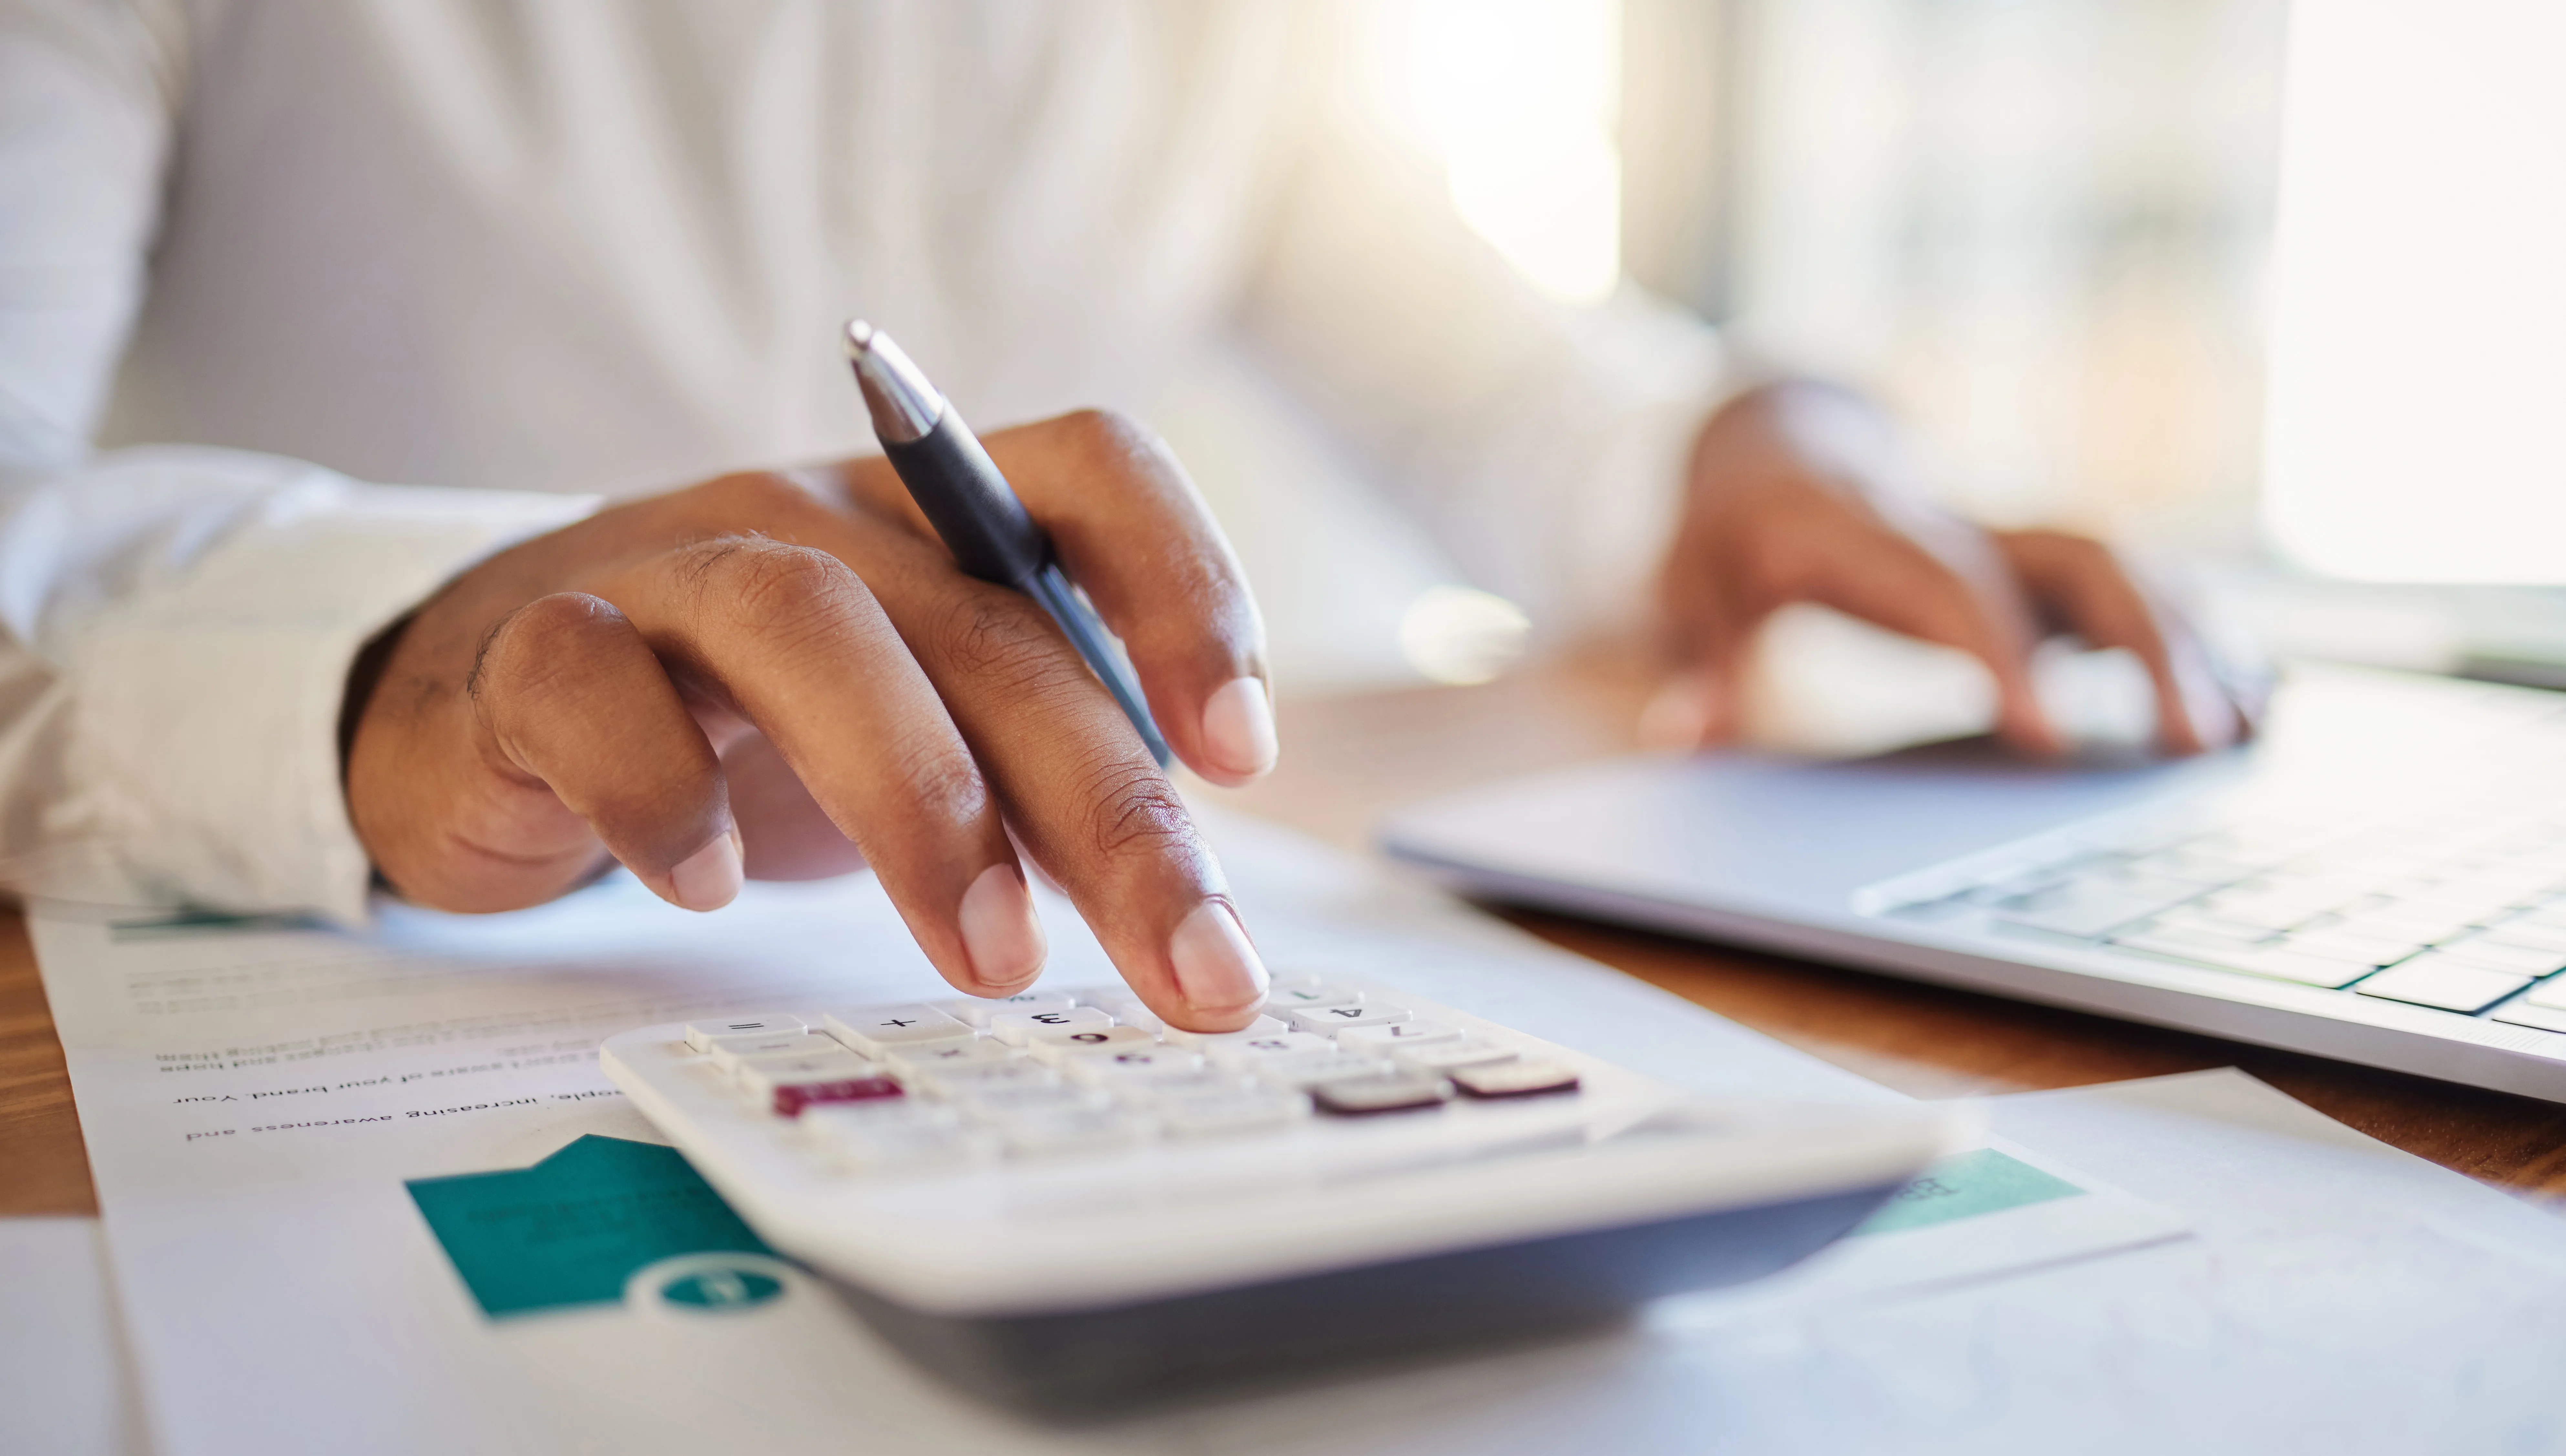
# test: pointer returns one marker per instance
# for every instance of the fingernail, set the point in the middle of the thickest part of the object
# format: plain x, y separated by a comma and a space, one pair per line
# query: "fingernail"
999, 931
1679, 714
710, 877
1239, 727
1217, 969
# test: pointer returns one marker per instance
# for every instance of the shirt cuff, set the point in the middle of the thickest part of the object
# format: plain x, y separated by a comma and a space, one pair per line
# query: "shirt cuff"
207, 705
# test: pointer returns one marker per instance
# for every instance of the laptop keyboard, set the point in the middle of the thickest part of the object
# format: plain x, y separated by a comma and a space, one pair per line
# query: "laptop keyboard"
2459, 906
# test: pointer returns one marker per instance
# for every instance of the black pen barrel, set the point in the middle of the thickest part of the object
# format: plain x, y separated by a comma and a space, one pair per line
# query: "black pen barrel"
970, 504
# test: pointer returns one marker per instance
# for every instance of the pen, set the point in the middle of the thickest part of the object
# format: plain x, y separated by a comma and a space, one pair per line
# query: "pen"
976, 512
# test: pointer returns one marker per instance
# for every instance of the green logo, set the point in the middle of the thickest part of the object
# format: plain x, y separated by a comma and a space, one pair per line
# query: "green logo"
722, 1288
575, 1228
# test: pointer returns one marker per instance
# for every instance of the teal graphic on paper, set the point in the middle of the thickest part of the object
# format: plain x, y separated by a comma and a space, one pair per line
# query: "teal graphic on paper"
572, 1229
1967, 1185
178, 924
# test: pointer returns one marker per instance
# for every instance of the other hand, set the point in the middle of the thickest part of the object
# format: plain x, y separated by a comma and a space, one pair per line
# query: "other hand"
1800, 492
744, 678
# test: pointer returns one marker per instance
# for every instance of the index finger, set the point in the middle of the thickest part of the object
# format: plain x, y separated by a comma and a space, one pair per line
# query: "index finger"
1899, 584
1131, 530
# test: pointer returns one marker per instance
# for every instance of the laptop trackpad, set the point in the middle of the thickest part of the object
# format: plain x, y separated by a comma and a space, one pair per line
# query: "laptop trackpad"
1743, 830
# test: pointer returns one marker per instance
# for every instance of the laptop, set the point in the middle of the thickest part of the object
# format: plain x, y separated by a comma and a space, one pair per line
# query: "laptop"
2382, 876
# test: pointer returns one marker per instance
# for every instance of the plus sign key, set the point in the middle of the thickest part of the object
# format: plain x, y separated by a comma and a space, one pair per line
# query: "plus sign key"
875, 1030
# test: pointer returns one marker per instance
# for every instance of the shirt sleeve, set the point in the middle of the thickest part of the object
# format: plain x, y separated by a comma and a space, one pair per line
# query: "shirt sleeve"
176, 622
1543, 444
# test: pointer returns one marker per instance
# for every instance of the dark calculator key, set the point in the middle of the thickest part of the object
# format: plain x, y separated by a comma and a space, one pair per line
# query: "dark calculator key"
1514, 1079
791, 1100
1362, 1096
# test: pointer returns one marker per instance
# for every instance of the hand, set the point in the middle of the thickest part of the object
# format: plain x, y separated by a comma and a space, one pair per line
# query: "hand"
741, 677
1800, 493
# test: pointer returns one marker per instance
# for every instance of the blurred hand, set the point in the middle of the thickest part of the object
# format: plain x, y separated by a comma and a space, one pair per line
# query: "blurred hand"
741, 677
1800, 493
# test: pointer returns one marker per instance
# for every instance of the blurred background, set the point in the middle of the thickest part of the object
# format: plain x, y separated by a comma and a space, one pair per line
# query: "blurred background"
2059, 239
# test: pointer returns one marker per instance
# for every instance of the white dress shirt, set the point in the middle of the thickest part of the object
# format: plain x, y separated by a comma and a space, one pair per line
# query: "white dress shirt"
305, 307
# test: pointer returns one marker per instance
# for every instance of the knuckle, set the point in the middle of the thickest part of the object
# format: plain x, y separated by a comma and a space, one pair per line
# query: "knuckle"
758, 496
990, 639
938, 777
544, 644
767, 585
1108, 433
1133, 810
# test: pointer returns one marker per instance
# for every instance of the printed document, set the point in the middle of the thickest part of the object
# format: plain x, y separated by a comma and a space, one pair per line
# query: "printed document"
371, 1193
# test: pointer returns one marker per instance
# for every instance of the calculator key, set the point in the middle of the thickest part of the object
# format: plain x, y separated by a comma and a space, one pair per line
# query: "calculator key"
1395, 1035
1310, 1069
1263, 1025
1515, 1079
997, 1104
855, 1139
1283, 1000
978, 1011
1075, 1130
1441, 1057
1220, 1115
1020, 1028
958, 1077
729, 1051
875, 1030
792, 1097
1327, 1021
1149, 1059
759, 1077
1148, 1088
1061, 1049
976, 1052
1243, 1056
1365, 1096
700, 1035
822, 1123
1121, 1004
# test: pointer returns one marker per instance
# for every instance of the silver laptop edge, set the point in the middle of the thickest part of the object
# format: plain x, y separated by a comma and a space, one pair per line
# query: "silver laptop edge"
1595, 840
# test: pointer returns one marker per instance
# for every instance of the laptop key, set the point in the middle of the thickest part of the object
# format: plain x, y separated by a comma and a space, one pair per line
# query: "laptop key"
2088, 909
2433, 980
2496, 956
2283, 964
2523, 1014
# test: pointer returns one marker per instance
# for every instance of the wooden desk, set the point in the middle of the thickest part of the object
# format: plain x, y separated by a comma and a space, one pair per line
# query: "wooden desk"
1345, 758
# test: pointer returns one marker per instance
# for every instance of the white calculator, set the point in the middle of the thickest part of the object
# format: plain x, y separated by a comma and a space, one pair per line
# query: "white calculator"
1057, 1199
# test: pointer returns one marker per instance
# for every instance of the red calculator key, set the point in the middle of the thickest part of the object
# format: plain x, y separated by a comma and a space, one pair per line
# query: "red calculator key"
791, 1100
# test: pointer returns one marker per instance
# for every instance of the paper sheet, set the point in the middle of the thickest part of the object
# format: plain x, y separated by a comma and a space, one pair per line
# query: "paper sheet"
65, 1387
257, 1097
2337, 1295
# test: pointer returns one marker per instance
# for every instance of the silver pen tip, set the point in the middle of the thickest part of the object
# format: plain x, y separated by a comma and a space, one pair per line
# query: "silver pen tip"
903, 404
